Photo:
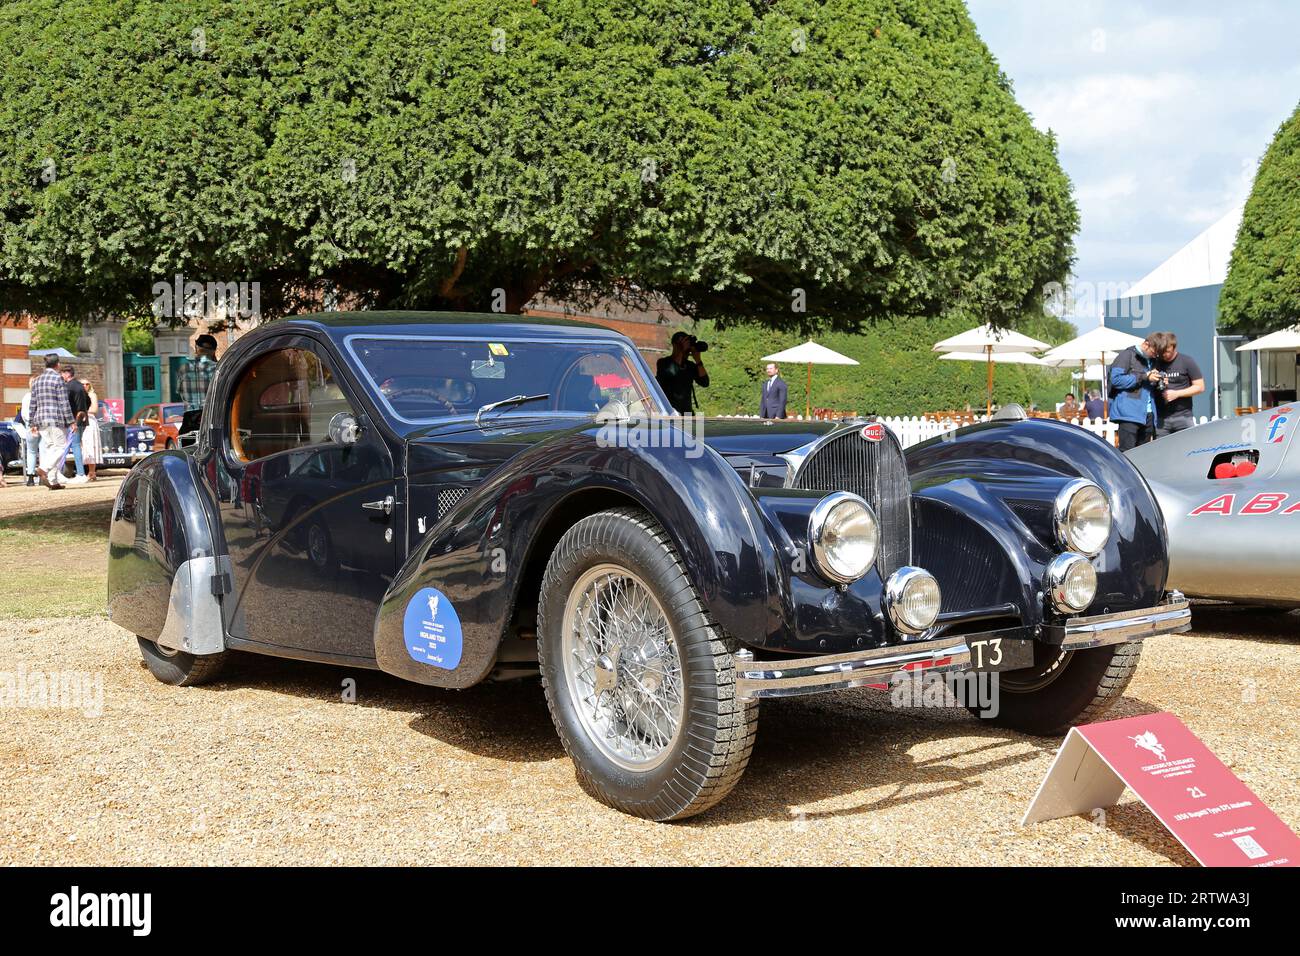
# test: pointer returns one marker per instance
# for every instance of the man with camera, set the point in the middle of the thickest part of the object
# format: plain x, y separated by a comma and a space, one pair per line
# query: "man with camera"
680, 372
1133, 403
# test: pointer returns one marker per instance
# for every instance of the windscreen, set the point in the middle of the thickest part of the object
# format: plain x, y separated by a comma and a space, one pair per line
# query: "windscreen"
424, 379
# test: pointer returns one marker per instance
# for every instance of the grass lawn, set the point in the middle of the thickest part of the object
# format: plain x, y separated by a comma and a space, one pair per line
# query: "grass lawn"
55, 563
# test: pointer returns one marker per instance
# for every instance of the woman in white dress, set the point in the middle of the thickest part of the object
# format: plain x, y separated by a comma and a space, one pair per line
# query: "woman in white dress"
92, 453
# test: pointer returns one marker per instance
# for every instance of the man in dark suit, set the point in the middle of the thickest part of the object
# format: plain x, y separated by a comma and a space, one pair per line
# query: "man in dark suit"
774, 394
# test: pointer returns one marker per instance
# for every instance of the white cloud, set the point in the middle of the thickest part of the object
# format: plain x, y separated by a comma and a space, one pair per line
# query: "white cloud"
1160, 117
1110, 110
1107, 189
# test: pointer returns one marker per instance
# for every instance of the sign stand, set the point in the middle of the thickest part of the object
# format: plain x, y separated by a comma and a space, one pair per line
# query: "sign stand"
1198, 799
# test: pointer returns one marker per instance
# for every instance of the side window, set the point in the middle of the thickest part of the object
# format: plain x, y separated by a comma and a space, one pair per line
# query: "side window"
283, 400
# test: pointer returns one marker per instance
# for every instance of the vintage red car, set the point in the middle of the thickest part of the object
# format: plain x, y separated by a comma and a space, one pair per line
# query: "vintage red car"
165, 420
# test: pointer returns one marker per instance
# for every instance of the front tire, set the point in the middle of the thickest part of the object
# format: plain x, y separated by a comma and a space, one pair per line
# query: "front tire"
1064, 688
179, 668
639, 680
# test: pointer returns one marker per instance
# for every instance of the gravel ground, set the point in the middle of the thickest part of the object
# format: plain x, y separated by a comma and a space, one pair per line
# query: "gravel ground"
274, 766
16, 498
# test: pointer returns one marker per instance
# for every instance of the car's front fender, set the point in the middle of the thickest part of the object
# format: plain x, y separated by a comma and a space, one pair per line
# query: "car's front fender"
493, 544
1021, 465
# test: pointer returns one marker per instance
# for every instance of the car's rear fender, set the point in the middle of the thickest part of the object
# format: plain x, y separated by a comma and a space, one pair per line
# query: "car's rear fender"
166, 570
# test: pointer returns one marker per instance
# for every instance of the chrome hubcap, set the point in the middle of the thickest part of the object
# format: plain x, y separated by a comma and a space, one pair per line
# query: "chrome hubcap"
622, 667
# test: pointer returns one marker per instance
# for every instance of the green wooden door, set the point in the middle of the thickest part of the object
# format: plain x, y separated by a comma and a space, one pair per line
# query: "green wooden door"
143, 381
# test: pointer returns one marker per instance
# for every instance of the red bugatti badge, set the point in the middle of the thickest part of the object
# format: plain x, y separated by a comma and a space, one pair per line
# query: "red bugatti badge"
873, 432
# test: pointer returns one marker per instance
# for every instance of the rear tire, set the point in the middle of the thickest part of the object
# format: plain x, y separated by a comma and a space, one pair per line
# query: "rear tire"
639, 680
179, 668
1064, 688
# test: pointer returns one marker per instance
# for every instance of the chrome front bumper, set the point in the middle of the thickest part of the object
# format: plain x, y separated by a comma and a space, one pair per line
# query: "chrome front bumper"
793, 677
1080, 633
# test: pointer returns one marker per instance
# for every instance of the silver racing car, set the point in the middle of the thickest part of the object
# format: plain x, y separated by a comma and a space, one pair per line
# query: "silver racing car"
1230, 492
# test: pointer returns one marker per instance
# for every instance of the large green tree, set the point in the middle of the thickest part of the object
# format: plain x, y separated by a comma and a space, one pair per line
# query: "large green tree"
1262, 291
787, 161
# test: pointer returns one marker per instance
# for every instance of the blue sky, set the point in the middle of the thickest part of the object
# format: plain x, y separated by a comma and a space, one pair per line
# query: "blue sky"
1161, 110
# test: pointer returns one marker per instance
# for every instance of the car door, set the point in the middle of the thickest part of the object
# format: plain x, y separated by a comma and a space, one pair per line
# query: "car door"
308, 521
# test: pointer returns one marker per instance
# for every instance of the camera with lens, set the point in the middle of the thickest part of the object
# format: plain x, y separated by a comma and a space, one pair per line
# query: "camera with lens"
696, 344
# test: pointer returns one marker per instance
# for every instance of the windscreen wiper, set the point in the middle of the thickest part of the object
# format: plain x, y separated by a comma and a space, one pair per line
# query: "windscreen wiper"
512, 400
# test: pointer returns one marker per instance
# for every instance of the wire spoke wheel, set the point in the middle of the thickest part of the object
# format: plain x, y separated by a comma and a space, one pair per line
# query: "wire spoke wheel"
622, 667
638, 678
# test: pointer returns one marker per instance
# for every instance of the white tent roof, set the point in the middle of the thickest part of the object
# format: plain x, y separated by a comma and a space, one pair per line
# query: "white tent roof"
811, 352
983, 337
999, 358
1283, 340
1092, 345
1203, 261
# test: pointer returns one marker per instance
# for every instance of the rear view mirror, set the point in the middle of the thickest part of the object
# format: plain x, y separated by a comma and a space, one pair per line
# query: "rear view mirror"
344, 429
487, 368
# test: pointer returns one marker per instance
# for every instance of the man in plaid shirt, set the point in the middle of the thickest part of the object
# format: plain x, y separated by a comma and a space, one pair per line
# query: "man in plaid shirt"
51, 417
197, 374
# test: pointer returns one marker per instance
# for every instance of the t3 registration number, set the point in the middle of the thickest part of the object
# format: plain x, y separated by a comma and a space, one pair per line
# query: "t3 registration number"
999, 653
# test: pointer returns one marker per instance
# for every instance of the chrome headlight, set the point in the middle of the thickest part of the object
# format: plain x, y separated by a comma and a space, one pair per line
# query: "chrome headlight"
1082, 513
147, 435
843, 537
912, 600
1071, 582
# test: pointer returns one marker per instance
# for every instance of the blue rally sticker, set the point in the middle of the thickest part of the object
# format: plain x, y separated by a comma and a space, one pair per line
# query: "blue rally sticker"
432, 629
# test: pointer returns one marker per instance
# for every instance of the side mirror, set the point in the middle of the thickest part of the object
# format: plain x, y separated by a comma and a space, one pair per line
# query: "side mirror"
344, 429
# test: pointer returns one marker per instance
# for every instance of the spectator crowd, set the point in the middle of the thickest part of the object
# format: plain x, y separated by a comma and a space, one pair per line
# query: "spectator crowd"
59, 418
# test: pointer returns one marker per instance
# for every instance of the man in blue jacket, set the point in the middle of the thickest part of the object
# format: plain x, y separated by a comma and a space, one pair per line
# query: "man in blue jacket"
1133, 402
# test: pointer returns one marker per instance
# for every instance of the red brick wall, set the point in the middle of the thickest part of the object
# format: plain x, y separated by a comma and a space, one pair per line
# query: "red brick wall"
93, 371
15, 339
649, 329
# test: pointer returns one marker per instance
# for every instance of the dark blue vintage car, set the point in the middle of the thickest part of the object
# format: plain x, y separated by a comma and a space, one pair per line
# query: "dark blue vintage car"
454, 498
11, 447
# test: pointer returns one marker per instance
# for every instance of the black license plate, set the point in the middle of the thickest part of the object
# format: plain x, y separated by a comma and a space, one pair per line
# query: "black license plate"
999, 653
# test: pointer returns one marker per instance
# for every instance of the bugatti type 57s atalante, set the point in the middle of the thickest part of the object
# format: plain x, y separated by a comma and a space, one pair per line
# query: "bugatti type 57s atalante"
454, 498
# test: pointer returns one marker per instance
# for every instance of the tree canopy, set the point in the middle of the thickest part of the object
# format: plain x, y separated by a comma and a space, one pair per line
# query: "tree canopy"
1262, 291
785, 161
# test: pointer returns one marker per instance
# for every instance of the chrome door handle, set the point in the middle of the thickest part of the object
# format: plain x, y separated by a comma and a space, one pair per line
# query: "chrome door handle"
386, 505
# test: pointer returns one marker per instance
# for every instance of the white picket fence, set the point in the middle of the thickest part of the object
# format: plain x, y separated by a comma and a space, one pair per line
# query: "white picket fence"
913, 429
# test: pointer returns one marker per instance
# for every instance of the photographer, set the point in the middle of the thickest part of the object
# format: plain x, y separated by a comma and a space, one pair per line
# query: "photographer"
679, 373
1133, 403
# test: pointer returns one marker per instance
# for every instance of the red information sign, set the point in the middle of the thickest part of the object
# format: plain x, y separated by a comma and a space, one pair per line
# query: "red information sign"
1202, 803
111, 409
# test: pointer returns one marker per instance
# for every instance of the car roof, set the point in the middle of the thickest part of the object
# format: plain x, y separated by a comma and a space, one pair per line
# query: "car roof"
473, 325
